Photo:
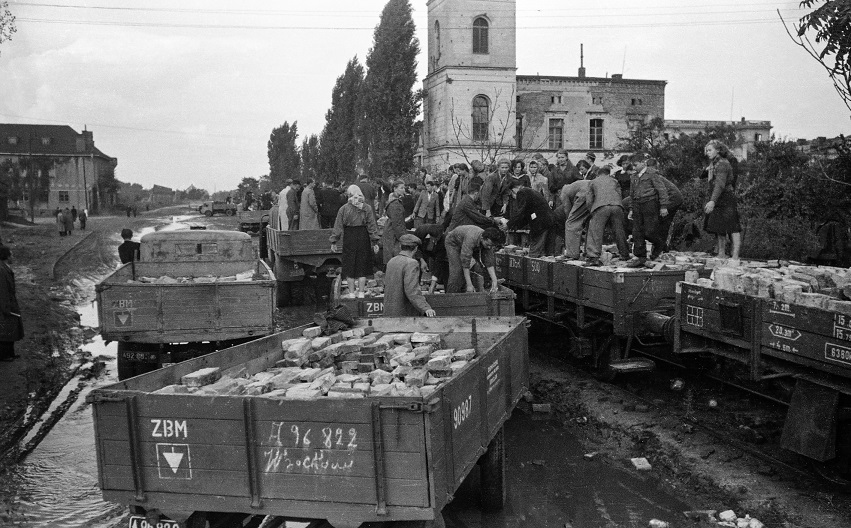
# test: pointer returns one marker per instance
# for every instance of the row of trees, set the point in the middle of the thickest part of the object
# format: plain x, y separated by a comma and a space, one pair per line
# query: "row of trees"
370, 125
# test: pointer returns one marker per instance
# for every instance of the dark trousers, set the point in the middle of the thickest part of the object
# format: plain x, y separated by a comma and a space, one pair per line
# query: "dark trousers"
611, 215
665, 227
538, 244
327, 222
645, 226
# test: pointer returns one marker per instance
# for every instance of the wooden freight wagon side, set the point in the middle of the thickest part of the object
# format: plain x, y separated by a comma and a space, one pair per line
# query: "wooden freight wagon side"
347, 461
310, 242
185, 312
807, 336
445, 304
723, 322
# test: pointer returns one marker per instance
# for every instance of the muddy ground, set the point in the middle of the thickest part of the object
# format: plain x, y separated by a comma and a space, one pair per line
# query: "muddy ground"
714, 458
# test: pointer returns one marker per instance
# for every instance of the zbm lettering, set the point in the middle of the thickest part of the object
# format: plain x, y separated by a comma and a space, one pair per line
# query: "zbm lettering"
169, 428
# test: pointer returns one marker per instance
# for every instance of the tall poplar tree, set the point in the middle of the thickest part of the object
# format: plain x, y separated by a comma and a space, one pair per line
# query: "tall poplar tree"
284, 159
389, 101
341, 144
310, 158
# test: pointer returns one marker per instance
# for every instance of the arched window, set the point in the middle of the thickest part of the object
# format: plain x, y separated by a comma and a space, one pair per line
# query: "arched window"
480, 35
480, 118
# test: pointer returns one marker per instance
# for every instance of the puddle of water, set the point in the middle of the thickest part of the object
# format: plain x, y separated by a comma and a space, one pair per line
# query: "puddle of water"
550, 483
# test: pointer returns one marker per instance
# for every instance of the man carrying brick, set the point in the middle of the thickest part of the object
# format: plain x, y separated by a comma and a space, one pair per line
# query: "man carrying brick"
466, 244
648, 203
402, 295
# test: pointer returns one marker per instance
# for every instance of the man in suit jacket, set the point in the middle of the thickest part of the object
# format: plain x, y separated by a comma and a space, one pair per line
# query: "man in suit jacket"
426, 210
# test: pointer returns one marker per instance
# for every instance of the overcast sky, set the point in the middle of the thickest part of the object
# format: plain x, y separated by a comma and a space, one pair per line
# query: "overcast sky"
187, 92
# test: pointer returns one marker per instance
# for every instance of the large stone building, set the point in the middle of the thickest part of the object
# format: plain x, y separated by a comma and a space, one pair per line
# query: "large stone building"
749, 132
74, 163
475, 105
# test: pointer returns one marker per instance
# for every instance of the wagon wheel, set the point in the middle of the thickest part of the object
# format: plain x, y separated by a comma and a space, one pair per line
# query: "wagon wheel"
229, 212
492, 473
208, 213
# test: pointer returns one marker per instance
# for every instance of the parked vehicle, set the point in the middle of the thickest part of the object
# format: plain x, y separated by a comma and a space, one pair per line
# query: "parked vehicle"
211, 208
345, 461
252, 222
295, 254
191, 293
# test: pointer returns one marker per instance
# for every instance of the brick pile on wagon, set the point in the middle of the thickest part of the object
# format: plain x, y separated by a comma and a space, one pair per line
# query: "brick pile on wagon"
356, 363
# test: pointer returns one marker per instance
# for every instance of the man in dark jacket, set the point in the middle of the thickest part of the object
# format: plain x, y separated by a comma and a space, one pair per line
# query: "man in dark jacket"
531, 209
128, 251
564, 173
394, 227
293, 205
330, 200
11, 327
369, 192
467, 212
402, 295
648, 202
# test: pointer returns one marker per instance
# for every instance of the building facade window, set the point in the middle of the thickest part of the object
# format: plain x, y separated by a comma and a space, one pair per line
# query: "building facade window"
595, 134
12, 140
637, 102
518, 133
597, 99
480, 35
757, 137
63, 196
480, 118
555, 99
436, 42
46, 141
556, 137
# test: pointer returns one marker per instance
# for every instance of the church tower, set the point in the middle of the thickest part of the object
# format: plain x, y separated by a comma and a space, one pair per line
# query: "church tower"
471, 90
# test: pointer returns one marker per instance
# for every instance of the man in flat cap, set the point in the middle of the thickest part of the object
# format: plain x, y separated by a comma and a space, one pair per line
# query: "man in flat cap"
402, 295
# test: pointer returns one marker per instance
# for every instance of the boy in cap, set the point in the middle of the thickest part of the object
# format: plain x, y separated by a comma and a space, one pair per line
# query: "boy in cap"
402, 295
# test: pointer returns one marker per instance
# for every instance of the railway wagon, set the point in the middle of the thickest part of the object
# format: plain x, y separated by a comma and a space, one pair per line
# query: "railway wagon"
157, 322
604, 309
810, 347
349, 461
295, 254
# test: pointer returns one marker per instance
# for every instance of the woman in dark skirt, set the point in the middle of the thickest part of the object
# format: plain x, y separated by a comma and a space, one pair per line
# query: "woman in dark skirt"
722, 212
356, 224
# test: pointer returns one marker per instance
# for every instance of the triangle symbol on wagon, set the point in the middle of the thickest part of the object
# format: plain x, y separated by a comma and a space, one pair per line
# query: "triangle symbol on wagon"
174, 459
123, 318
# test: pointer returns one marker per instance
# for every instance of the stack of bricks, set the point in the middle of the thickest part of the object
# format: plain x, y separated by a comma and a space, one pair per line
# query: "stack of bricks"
356, 363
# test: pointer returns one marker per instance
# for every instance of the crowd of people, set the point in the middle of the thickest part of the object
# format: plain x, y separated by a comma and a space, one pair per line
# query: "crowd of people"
65, 219
453, 222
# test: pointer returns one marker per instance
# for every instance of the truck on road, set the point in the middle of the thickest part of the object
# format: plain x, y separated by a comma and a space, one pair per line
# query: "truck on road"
211, 208
332, 462
190, 293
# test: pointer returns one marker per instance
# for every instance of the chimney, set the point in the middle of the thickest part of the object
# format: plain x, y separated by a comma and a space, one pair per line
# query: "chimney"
617, 76
581, 61
88, 140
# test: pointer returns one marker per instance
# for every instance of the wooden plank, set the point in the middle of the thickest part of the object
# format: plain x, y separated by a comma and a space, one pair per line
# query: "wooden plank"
308, 509
648, 292
831, 354
817, 321
539, 274
709, 322
566, 278
599, 298
517, 269
715, 336
288, 460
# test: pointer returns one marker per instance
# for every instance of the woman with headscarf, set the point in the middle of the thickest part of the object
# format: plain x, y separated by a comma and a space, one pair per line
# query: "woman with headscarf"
356, 224
722, 212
